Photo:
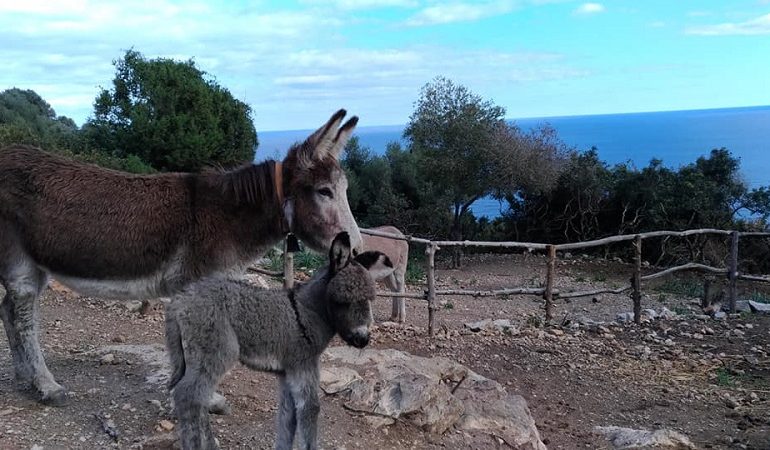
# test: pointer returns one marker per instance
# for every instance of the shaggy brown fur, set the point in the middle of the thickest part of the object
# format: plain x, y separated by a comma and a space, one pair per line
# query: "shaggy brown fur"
119, 235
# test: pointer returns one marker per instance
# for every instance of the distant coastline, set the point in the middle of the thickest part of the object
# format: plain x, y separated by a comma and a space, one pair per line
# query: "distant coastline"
676, 137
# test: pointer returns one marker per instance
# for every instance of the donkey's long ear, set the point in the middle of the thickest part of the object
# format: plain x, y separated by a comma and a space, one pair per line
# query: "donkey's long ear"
329, 140
339, 253
377, 263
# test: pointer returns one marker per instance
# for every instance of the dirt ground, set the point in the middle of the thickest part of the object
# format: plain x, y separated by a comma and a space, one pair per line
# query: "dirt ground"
709, 379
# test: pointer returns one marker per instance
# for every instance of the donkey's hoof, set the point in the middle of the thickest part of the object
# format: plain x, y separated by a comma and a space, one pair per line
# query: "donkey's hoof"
54, 398
218, 405
221, 409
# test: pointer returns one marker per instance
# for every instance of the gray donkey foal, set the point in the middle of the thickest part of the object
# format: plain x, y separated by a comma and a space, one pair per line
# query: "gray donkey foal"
215, 323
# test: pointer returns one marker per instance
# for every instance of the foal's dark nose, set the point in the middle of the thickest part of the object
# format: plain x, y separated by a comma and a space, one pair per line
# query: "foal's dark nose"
359, 340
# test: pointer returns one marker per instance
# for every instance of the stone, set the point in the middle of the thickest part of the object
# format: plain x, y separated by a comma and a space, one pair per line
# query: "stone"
339, 379
166, 425
720, 315
377, 422
161, 441
109, 358
667, 314
742, 305
477, 326
762, 308
256, 279
133, 305
489, 324
157, 404
433, 394
622, 438
650, 313
625, 317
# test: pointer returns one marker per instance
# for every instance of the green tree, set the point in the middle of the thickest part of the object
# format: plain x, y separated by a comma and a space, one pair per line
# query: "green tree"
170, 115
25, 118
467, 151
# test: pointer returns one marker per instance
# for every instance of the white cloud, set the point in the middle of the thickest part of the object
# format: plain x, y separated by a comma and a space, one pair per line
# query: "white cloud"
292, 66
364, 4
590, 8
757, 26
460, 12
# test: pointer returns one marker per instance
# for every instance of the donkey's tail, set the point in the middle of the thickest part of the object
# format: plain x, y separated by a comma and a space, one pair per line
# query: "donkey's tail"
175, 350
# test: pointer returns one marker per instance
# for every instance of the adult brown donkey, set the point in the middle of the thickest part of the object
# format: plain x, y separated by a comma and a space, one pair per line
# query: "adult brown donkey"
110, 234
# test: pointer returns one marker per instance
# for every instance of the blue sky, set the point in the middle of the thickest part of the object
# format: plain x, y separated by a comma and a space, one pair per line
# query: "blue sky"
297, 62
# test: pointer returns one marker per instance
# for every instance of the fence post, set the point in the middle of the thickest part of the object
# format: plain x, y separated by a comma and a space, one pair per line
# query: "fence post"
732, 275
430, 251
288, 266
548, 293
636, 280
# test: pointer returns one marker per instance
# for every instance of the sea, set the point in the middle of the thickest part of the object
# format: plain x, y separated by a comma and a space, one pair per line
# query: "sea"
675, 137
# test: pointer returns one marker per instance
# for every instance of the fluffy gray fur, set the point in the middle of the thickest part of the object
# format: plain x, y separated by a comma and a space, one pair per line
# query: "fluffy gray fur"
214, 324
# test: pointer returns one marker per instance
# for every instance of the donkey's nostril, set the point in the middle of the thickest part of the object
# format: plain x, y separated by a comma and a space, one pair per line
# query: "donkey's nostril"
360, 340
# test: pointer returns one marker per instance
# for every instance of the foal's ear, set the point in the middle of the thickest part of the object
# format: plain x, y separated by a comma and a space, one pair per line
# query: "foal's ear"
329, 140
377, 263
339, 253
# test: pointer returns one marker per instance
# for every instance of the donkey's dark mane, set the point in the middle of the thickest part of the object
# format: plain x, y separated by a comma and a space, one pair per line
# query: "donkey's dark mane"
253, 184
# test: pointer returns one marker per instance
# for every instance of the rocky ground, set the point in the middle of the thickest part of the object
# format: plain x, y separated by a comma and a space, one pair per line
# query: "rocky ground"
708, 379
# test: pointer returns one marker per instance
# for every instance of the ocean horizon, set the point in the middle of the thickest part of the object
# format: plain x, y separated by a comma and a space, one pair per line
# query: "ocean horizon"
675, 137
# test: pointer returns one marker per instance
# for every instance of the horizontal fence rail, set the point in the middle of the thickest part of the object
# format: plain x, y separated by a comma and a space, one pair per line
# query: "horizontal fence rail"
548, 292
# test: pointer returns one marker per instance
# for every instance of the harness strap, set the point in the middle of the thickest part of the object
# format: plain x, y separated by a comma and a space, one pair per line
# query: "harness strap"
278, 189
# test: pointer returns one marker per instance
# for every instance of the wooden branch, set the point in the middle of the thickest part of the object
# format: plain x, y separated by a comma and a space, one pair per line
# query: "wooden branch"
288, 266
594, 292
269, 273
732, 275
431, 256
630, 237
549, 278
407, 238
492, 293
688, 266
754, 278
636, 280
422, 296
525, 245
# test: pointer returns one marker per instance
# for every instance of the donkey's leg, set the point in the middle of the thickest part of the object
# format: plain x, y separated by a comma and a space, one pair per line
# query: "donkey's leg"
303, 385
400, 278
390, 282
287, 418
20, 312
191, 397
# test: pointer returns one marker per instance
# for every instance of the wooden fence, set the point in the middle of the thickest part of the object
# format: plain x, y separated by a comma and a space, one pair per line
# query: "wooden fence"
548, 292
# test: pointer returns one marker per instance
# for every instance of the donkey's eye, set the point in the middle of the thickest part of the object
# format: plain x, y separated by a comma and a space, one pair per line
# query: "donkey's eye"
326, 192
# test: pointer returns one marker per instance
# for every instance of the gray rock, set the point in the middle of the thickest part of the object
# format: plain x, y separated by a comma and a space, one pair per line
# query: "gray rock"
625, 317
720, 315
256, 279
133, 305
756, 307
477, 326
499, 324
434, 394
742, 305
649, 313
622, 438
667, 314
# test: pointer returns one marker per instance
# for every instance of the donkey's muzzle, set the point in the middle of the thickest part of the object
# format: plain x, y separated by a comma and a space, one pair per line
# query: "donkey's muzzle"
358, 340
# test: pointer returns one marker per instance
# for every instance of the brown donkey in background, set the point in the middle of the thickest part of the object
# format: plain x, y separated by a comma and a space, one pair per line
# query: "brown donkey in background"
111, 234
398, 252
